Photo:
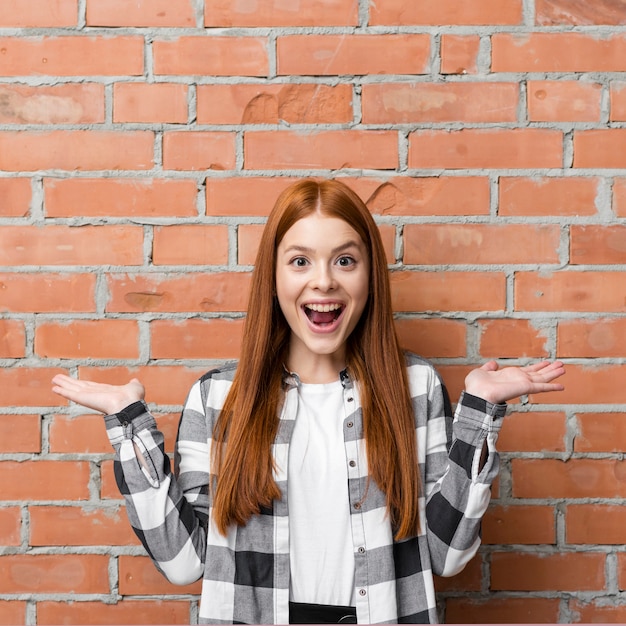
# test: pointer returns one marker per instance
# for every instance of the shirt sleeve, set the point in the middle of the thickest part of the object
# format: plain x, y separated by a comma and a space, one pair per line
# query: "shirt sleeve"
167, 510
458, 483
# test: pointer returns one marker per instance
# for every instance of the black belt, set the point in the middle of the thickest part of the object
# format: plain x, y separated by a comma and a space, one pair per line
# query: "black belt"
301, 613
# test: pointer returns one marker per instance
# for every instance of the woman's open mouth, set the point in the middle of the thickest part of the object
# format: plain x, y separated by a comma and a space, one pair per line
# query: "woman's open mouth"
323, 315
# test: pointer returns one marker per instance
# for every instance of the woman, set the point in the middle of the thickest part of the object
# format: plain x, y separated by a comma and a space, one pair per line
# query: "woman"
339, 482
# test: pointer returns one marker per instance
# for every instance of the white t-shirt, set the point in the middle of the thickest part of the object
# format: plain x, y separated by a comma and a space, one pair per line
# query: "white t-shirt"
321, 547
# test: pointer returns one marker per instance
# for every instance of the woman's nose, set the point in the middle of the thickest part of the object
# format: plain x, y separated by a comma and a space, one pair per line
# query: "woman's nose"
323, 279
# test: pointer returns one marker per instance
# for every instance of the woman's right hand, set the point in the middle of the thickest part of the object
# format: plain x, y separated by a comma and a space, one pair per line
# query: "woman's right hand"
107, 399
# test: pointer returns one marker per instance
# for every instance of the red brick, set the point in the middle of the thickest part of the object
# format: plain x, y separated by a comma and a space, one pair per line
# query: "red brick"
84, 434
557, 52
158, 13
331, 55
519, 525
595, 524
307, 103
76, 150
47, 293
459, 54
165, 384
138, 576
475, 13
10, 530
511, 338
198, 150
196, 339
88, 339
539, 196
156, 103
496, 610
580, 571
402, 103
44, 480
15, 195
576, 478
52, 104
244, 196
38, 14
248, 239
54, 573
564, 100
376, 149
12, 339
433, 338
410, 196
596, 612
579, 13
123, 612
24, 386
602, 147
448, 291
454, 377
619, 196
621, 572
591, 338
468, 579
225, 13
533, 432
618, 101
570, 291
388, 235
108, 485
224, 291
68, 245
72, 56
20, 433
486, 148
93, 527
13, 612
190, 244
168, 425
90, 197
212, 56
470, 244
589, 385
600, 432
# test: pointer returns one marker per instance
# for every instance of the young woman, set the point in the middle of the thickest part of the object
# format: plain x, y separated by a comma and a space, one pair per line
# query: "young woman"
323, 479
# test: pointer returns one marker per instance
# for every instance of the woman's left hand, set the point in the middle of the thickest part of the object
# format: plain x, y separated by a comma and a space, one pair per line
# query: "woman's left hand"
500, 385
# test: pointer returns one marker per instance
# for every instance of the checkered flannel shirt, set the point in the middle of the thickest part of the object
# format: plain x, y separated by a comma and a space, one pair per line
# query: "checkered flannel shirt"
246, 574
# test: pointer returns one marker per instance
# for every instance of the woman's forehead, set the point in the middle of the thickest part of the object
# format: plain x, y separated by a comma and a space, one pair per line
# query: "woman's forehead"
321, 230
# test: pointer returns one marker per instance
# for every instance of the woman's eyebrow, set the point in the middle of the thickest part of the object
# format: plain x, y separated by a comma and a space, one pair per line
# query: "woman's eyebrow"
307, 250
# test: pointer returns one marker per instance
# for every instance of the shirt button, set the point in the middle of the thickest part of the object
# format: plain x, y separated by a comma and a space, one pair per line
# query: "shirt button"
357, 505
362, 592
350, 399
350, 424
361, 550
352, 463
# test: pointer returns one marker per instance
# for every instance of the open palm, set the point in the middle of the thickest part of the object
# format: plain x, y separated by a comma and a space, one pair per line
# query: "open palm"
101, 397
499, 385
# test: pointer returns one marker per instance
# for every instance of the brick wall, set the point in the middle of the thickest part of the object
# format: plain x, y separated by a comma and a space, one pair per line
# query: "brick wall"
142, 145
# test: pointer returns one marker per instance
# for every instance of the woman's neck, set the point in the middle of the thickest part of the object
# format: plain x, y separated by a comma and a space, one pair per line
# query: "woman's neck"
321, 369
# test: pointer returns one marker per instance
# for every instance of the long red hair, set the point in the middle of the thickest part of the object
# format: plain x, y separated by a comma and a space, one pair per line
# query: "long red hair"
248, 422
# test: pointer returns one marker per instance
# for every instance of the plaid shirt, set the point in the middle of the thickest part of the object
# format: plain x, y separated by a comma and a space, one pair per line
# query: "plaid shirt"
246, 574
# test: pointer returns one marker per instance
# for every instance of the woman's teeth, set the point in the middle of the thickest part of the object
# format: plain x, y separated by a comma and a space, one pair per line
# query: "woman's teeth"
323, 308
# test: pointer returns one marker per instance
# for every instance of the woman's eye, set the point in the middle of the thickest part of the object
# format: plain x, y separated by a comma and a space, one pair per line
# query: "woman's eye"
299, 261
345, 261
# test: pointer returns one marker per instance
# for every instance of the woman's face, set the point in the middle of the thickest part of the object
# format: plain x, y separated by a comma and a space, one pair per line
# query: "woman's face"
322, 285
